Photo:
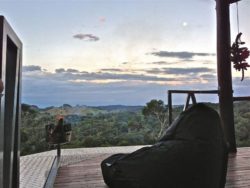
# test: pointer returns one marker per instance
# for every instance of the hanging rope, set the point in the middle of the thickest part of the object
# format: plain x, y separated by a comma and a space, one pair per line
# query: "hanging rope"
238, 22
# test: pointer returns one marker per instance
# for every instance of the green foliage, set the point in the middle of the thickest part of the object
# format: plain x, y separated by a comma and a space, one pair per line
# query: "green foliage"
158, 110
89, 129
32, 130
242, 123
93, 127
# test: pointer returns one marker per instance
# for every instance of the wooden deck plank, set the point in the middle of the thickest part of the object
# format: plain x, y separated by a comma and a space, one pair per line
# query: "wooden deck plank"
87, 173
238, 172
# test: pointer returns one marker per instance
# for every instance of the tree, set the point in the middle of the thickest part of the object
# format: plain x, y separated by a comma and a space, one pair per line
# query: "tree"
157, 109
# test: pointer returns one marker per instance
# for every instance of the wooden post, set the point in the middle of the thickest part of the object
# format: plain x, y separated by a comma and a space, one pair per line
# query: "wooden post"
169, 108
224, 72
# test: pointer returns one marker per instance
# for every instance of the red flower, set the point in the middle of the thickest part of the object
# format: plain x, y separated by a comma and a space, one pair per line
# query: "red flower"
241, 66
245, 54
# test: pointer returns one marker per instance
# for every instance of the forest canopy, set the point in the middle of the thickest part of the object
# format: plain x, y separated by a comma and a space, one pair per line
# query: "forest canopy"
110, 125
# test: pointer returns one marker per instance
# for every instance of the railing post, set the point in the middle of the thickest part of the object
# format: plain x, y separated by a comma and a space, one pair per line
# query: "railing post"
224, 72
190, 95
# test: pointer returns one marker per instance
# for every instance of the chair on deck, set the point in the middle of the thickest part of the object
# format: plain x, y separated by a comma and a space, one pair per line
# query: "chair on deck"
192, 153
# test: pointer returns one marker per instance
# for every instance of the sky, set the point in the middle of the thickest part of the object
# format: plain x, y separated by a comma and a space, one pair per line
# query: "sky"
107, 52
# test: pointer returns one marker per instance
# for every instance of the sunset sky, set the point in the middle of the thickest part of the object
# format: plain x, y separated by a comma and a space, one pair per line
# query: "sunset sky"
104, 52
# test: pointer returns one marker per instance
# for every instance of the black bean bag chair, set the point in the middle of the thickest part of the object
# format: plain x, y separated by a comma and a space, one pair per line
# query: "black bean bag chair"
191, 154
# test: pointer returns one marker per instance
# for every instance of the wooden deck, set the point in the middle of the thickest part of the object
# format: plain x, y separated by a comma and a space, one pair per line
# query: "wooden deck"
87, 174
238, 172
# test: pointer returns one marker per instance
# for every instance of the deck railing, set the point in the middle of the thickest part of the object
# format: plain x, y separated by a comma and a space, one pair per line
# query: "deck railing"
245, 98
190, 96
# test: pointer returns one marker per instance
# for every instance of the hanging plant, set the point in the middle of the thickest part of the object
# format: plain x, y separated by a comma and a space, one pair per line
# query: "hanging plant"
239, 55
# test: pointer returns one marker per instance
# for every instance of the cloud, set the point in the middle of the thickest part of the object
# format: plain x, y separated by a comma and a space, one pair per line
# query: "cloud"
180, 55
180, 71
37, 91
209, 76
86, 37
102, 19
61, 70
161, 63
112, 70
104, 88
113, 76
178, 62
157, 75
125, 63
132, 90
31, 68
72, 71
118, 75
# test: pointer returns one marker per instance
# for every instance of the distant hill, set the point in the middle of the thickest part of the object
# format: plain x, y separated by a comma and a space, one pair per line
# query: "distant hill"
73, 110
120, 108
83, 110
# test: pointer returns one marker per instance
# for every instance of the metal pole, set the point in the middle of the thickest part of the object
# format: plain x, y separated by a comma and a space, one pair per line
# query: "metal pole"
224, 72
58, 150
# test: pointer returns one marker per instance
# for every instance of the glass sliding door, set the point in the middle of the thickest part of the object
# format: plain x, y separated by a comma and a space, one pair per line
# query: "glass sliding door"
10, 74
